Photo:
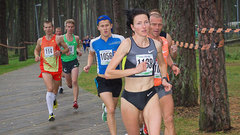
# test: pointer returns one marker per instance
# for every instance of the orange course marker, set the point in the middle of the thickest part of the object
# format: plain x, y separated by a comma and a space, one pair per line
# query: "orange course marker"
237, 30
196, 47
219, 30
181, 45
203, 30
177, 43
211, 30
191, 46
228, 30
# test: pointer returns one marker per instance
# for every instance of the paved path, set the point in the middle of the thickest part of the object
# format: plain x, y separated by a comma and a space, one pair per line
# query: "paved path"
23, 109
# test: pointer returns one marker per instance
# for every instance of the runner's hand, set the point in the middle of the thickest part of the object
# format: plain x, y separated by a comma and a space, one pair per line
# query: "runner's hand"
141, 67
68, 53
37, 58
176, 70
86, 69
167, 86
79, 53
57, 53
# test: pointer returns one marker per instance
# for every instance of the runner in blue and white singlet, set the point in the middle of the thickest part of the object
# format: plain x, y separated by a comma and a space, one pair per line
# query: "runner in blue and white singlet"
104, 47
105, 50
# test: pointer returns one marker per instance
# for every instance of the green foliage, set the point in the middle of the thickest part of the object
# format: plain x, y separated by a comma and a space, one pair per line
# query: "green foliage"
11, 52
31, 50
15, 64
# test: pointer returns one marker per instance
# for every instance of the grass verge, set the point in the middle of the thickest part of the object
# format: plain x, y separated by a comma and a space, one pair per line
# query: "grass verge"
15, 64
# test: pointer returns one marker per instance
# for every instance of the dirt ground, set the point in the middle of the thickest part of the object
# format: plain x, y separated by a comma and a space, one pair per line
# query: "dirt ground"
193, 112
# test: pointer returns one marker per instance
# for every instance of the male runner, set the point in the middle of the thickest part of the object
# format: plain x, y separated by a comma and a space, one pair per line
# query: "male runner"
104, 48
70, 62
50, 63
165, 97
58, 32
172, 48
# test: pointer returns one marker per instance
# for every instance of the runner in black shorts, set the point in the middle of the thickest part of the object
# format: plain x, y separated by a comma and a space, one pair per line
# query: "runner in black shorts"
70, 62
68, 66
104, 48
111, 85
138, 54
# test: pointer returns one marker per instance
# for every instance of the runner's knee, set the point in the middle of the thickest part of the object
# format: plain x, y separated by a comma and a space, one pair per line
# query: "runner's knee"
69, 85
74, 82
110, 110
168, 121
50, 89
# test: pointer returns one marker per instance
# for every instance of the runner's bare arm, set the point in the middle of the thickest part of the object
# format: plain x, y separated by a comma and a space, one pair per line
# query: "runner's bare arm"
37, 50
122, 50
78, 46
89, 61
173, 66
162, 66
172, 48
63, 44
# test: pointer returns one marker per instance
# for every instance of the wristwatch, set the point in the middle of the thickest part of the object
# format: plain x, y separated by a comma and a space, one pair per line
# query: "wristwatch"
165, 79
174, 64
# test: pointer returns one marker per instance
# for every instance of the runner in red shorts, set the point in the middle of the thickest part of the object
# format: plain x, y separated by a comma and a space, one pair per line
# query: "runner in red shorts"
48, 52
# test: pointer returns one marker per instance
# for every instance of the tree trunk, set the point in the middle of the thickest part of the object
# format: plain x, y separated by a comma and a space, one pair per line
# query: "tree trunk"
27, 29
55, 14
76, 17
22, 29
179, 16
100, 7
214, 105
118, 20
81, 24
50, 11
3, 34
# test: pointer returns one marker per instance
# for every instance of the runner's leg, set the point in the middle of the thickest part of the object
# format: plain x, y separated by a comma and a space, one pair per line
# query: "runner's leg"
130, 117
152, 115
167, 109
110, 104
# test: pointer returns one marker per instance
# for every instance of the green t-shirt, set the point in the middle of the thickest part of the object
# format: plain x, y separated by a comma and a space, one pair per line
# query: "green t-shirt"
72, 45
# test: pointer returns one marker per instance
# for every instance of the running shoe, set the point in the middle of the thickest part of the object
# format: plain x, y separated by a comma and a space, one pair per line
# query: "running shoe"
60, 91
75, 105
51, 117
104, 113
55, 104
145, 130
141, 132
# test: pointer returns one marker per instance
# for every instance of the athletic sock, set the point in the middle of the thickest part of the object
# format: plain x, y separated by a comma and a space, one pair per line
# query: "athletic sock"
49, 100
105, 109
54, 96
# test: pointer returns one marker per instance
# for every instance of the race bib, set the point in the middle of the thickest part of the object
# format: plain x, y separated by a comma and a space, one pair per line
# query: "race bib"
149, 59
105, 56
157, 73
71, 49
48, 51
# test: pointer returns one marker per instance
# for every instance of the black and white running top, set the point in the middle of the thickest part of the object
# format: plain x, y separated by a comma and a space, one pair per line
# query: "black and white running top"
136, 55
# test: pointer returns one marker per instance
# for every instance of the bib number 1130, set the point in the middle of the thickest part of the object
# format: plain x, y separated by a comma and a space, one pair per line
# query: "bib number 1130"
150, 63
